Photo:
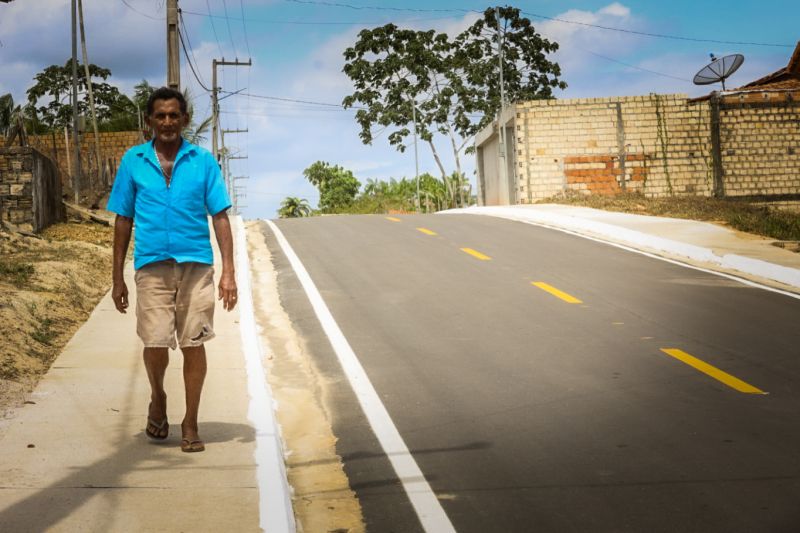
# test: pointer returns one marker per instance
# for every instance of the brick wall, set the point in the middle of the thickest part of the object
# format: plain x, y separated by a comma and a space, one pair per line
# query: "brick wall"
30, 189
658, 144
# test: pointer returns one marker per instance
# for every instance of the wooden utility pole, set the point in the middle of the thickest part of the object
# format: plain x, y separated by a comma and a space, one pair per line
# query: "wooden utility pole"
76, 168
89, 88
215, 98
173, 52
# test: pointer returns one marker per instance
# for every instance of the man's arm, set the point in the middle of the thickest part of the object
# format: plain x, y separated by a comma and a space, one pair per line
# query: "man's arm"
227, 282
122, 238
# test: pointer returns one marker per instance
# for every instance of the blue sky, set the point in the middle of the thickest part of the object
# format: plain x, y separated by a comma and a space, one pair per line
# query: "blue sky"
297, 48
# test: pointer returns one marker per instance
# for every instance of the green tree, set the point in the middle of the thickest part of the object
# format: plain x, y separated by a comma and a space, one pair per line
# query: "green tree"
54, 84
12, 120
337, 186
451, 85
293, 207
6, 112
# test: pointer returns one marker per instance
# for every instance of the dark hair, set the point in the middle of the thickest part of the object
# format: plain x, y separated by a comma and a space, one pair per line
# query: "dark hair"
166, 93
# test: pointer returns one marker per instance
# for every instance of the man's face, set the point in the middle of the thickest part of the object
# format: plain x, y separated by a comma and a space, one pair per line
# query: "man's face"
167, 120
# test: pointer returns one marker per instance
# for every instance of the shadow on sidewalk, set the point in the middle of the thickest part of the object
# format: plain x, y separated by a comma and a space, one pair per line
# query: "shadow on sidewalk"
49, 505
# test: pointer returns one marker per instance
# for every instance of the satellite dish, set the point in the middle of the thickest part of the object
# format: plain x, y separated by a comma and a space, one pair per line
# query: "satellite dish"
718, 70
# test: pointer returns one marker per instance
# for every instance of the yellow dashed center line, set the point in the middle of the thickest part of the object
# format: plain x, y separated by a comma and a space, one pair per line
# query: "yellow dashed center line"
555, 292
426, 231
393, 219
714, 372
476, 254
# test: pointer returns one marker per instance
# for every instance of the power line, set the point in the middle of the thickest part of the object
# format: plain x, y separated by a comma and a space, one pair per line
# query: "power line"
141, 13
657, 35
186, 54
228, 22
634, 66
382, 8
214, 29
311, 22
536, 15
244, 28
279, 99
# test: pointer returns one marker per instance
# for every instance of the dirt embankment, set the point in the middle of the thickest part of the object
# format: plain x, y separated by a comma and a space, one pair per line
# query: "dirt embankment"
48, 288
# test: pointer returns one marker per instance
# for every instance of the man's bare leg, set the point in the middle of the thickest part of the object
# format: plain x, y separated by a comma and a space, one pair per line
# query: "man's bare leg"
155, 362
194, 373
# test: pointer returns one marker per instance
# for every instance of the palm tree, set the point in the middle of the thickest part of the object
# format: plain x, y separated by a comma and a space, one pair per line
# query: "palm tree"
11, 120
195, 133
293, 207
6, 109
372, 187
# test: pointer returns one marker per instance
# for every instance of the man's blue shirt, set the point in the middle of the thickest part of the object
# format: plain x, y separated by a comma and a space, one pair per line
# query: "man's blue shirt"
171, 222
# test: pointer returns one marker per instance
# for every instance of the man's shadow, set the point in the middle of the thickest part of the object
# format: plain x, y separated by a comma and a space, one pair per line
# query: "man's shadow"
49, 505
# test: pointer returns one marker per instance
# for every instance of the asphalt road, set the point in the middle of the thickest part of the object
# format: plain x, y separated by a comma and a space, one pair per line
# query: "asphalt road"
530, 412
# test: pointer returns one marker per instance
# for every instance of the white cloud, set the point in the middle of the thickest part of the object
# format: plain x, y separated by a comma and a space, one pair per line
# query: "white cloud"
616, 10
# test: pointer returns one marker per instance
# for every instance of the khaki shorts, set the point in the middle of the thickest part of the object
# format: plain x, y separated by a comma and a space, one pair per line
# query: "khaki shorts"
174, 299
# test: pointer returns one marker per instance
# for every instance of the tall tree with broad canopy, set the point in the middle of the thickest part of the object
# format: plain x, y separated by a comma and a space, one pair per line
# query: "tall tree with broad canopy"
337, 186
55, 82
453, 83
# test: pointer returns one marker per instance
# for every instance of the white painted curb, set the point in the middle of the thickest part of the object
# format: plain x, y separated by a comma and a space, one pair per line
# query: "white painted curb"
274, 494
637, 239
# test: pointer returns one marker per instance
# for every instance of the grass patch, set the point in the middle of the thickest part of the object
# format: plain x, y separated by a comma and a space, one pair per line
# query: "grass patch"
9, 370
757, 219
43, 332
17, 273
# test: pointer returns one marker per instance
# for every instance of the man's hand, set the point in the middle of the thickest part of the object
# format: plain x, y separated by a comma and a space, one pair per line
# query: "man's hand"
227, 291
119, 293
227, 283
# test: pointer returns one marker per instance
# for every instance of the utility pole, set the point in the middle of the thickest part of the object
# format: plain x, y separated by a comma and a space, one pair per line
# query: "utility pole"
76, 168
89, 88
215, 98
225, 166
233, 195
173, 52
236, 194
416, 154
501, 152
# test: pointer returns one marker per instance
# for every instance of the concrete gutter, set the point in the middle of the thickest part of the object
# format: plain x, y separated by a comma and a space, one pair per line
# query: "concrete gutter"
711, 245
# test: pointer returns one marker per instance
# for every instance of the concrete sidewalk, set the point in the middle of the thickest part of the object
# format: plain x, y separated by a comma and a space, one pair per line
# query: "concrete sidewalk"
698, 243
77, 458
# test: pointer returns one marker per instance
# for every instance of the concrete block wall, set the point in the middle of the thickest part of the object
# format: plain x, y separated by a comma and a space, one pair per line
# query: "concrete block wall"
760, 147
30, 189
578, 144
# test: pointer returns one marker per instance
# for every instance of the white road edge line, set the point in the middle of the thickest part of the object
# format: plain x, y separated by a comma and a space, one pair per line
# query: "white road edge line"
274, 493
641, 252
427, 506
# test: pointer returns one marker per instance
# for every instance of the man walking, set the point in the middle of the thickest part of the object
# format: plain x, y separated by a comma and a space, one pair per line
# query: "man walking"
168, 186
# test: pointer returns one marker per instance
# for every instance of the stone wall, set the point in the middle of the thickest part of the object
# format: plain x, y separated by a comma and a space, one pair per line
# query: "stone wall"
113, 146
660, 145
30, 189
